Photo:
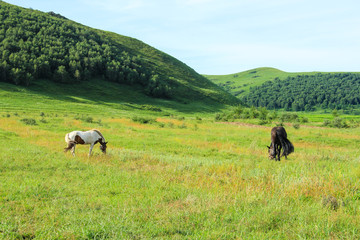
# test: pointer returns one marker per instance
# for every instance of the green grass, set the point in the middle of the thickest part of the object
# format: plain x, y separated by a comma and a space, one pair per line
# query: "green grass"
181, 176
93, 96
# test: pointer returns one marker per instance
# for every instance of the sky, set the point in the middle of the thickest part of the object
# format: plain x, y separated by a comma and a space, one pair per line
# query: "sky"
218, 37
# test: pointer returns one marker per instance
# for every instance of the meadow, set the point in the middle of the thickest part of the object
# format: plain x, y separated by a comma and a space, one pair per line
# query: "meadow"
181, 175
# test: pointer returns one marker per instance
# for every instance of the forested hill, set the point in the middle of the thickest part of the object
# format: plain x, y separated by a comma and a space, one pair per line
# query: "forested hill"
36, 45
307, 92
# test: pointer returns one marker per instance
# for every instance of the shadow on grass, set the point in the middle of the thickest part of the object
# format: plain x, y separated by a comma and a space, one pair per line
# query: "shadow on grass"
97, 91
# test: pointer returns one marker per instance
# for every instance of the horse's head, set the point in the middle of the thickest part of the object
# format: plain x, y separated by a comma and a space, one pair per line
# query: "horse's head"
271, 151
103, 147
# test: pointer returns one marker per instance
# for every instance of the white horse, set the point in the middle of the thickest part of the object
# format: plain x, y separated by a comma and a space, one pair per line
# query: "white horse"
89, 137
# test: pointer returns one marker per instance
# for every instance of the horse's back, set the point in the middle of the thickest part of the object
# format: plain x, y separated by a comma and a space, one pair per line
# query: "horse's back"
70, 136
74, 136
279, 131
87, 137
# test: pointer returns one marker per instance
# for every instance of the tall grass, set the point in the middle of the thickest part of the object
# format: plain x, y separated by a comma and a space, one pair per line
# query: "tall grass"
169, 182
183, 176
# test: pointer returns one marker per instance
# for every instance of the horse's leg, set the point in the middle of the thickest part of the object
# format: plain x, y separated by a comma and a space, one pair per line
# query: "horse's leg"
279, 151
73, 150
275, 150
91, 148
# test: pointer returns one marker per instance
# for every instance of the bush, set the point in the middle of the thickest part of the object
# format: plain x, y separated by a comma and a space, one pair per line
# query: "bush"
263, 122
218, 117
143, 120
304, 120
43, 120
182, 126
336, 123
88, 120
288, 117
151, 108
326, 123
29, 121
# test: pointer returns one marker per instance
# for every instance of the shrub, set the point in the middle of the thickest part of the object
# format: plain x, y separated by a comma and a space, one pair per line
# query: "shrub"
263, 122
143, 120
304, 120
218, 117
326, 123
43, 120
88, 119
337, 123
272, 115
288, 117
182, 126
151, 108
29, 121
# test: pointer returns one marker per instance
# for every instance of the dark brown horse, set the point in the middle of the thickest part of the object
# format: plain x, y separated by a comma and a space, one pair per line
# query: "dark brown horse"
279, 141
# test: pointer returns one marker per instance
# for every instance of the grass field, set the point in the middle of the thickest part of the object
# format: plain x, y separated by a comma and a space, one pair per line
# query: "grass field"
182, 176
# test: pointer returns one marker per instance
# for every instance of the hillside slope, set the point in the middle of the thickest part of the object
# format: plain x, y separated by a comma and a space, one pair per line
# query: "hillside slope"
37, 45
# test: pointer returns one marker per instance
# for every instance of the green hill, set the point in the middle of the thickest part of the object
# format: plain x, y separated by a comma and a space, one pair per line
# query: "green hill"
305, 91
37, 45
308, 92
239, 83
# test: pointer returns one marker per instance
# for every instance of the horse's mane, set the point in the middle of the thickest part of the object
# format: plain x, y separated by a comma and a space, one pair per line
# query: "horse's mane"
98, 133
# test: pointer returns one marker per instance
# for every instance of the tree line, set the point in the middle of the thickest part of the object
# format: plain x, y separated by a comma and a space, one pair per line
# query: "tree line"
308, 92
36, 45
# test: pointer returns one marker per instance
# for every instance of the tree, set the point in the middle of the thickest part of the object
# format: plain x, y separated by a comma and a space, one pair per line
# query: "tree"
61, 75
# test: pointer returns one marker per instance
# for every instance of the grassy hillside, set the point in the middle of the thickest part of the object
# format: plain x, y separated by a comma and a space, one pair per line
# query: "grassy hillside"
178, 176
37, 45
94, 96
239, 83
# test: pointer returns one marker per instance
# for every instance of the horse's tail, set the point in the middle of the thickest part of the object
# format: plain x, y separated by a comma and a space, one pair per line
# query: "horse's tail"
67, 138
287, 146
69, 142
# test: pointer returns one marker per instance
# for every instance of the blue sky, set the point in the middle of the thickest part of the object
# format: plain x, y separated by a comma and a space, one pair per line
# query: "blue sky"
229, 36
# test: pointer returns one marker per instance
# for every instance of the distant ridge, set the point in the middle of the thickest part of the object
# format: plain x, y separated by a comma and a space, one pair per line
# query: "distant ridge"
303, 91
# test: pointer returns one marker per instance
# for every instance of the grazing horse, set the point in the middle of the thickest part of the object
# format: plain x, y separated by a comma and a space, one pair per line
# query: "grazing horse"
89, 137
279, 141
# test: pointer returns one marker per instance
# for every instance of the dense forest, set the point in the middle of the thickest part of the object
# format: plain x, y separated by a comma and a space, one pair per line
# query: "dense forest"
308, 92
37, 45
